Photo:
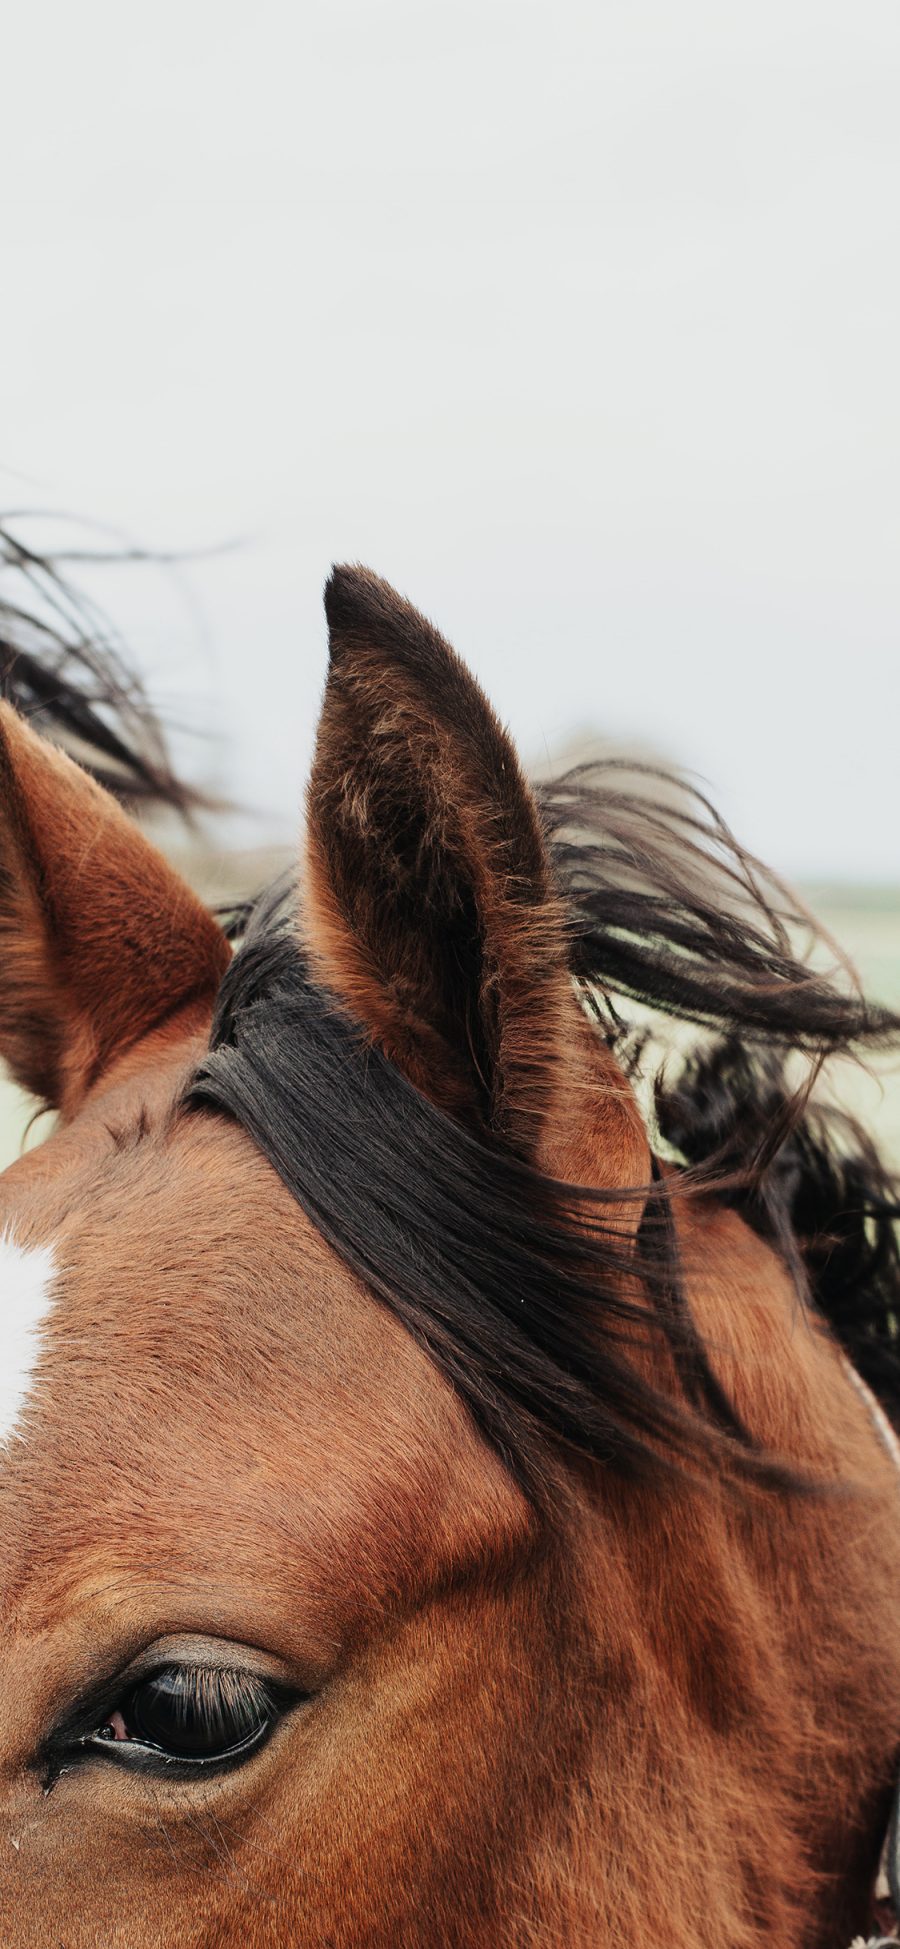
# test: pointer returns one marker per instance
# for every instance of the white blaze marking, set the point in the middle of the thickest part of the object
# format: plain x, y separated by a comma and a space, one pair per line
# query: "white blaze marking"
26, 1296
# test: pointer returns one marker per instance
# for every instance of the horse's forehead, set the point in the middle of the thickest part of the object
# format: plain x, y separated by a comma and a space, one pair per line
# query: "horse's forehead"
176, 1265
148, 1237
204, 1389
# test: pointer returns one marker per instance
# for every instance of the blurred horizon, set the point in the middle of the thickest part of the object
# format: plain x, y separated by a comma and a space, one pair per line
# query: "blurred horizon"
865, 929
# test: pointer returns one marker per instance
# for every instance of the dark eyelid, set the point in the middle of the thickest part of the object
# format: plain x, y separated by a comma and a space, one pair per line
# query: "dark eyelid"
157, 1765
207, 1654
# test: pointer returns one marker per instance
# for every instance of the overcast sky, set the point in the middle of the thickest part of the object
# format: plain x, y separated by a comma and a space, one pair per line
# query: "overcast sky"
580, 323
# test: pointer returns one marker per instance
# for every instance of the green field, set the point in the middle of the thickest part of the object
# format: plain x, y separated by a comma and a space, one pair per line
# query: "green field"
866, 922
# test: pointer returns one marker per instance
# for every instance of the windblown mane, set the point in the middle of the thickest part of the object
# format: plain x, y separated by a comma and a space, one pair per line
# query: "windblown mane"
669, 910
526, 1291
62, 665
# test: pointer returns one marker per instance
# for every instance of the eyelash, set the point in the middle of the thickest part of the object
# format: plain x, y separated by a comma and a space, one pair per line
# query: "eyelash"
230, 1713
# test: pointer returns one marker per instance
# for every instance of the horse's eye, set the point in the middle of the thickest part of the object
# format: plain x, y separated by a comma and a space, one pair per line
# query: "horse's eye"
190, 1716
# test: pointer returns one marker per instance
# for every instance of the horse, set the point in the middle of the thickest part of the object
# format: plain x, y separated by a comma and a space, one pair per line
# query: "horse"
447, 1497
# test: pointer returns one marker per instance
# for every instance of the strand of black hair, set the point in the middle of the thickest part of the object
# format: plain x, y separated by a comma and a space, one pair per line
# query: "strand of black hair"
64, 667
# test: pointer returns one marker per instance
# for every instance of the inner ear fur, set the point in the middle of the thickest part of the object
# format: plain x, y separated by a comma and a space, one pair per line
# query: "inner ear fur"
100, 940
430, 905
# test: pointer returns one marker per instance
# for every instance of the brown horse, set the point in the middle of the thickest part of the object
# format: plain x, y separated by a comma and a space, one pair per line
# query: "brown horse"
439, 1504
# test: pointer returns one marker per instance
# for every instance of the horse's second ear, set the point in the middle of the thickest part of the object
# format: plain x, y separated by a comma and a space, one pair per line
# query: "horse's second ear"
430, 909
99, 939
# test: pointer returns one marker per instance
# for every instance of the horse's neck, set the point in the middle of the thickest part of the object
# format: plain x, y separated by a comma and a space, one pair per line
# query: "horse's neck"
746, 1653
728, 1686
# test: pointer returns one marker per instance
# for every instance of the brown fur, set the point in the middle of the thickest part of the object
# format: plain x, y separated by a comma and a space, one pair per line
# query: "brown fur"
429, 905
671, 1715
99, 937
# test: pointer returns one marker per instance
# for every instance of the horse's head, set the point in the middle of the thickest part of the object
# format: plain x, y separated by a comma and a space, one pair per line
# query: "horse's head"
300, 1347
268, 1644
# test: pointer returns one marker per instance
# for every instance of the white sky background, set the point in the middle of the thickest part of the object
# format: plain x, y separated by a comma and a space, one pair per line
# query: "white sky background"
580, 323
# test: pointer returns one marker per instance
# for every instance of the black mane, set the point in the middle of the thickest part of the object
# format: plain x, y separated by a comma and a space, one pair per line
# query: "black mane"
669, 910
511, 1282
63, 667
527, 1293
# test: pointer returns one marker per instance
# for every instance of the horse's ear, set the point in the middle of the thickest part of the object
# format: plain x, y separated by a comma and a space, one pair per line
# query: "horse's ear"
430, 909
100, 940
